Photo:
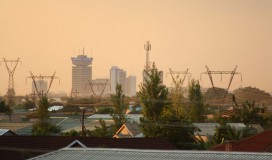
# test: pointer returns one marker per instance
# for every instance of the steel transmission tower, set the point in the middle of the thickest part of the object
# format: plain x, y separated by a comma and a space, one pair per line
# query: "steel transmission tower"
232, 73
177, 80
98, 85
40, 78
11, 69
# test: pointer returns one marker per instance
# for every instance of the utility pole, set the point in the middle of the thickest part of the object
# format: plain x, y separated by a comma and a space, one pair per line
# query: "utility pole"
11, 70
83, 129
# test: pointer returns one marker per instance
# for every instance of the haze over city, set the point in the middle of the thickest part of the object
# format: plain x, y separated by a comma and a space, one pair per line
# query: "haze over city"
221, 34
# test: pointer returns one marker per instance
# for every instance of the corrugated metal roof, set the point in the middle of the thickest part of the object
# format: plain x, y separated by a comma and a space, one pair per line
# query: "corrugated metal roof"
125, 154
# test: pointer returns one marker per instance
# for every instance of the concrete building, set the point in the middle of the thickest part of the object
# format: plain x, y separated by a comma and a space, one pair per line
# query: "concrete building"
42, 86
117, 76
81, 75
131, 86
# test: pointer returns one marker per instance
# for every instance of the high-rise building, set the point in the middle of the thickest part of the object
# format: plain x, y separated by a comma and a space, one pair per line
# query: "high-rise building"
117, 76
81, 75
131, 86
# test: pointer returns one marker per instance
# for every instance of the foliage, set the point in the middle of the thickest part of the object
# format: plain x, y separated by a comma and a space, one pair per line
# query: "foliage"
72, 133
43, 126
159, 119
29, 104
120, 107
153, 95
249, 113
226, 132
214, 95
5, 109
102, 131
253, 94
176, 97
197, 108
106, 110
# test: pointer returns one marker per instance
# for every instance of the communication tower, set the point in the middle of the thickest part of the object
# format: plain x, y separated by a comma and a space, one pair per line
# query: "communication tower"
147, 48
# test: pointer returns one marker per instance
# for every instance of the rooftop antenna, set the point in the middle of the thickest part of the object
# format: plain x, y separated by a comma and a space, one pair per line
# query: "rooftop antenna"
11, 91
147, 48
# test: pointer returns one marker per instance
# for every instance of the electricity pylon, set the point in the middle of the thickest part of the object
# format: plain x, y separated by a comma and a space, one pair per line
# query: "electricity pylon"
177, 80
40, 78
232, 73
177, 92
98, 85
11, 69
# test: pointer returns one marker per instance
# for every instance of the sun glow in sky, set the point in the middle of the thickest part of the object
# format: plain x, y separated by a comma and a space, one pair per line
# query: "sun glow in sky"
221, 34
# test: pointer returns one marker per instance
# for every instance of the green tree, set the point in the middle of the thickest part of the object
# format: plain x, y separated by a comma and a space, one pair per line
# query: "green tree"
102, 131
119, 107
153, 95
5, 109
196, 106
225, 132
176, 97
249, 113
72, 133
43, 125
159, 120
29, 104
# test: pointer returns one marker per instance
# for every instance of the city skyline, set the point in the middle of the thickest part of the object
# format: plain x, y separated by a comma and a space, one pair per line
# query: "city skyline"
183, 34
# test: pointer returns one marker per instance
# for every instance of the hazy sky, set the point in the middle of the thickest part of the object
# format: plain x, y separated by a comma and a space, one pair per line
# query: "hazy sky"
221, 34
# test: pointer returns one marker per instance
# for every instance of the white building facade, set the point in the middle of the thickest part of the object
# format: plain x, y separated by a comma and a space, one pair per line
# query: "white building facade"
81, 75
117, 76
131, 86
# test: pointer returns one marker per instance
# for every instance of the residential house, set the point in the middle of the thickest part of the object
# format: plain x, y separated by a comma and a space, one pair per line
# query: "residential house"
261, 142
129, 130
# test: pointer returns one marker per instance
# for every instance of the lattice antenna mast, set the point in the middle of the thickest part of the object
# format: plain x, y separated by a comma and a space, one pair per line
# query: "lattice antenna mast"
177, 80
232, 73
147, 48
11, 72
41, 79
98, 85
